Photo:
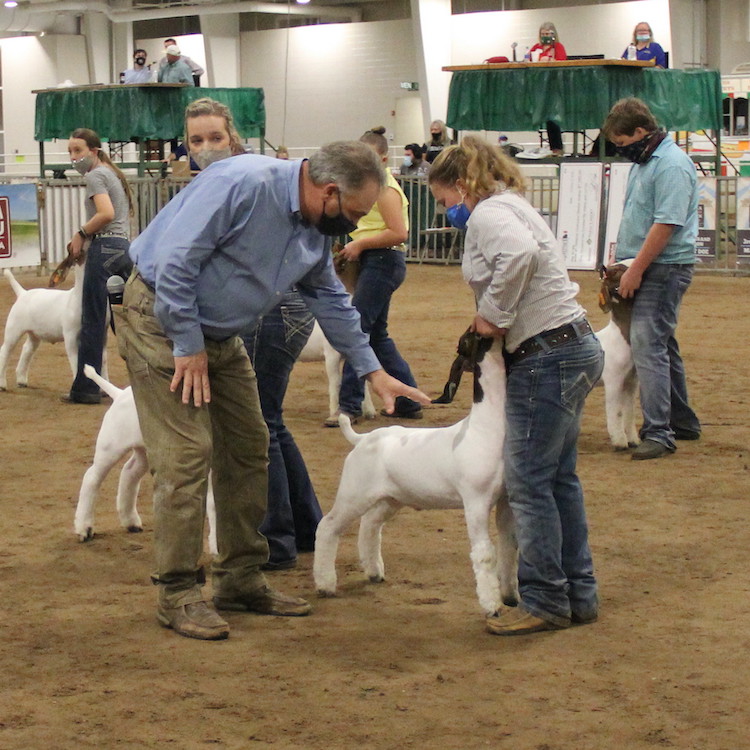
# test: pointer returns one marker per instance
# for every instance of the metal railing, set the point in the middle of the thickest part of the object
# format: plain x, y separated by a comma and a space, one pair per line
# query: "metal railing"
431, 239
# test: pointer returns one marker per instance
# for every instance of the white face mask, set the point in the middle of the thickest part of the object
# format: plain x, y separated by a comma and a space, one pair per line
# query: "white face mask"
208, 156
642, 37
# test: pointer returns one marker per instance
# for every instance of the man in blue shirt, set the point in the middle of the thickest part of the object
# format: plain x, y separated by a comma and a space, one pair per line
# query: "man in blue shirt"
658, 231
221, 254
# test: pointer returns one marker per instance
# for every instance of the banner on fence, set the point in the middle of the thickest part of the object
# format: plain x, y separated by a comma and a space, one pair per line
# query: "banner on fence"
743, 219
705, 243
19, 226
618, 184
579, 213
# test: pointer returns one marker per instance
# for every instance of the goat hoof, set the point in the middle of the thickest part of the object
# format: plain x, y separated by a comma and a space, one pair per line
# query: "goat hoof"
323, 594
377, 579
621, 448
87, 536
510, 601
135, 529
21, 385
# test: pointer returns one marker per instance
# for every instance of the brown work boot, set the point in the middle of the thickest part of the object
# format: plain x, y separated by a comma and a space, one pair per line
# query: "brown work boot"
194, 620
265, 601
517, 621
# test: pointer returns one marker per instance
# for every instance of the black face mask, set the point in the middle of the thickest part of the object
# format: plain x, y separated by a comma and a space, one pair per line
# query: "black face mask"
333, 226
640, 152
437, 137
140, 60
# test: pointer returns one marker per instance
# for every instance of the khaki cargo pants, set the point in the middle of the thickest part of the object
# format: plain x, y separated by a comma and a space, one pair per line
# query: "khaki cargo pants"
228, 436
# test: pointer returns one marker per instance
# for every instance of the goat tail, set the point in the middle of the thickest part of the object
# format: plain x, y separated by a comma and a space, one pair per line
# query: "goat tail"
17, 288
345, 424
111, 390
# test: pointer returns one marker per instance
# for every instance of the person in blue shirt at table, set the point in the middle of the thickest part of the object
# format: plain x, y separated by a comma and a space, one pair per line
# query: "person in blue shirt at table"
217, 257
140, 72
658, 230
645, 46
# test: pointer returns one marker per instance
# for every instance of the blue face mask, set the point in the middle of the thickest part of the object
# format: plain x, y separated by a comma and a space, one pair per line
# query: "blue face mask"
458, 215
407, 161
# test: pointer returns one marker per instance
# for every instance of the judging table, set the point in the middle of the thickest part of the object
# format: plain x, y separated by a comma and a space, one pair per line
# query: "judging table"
138, 112
578, 94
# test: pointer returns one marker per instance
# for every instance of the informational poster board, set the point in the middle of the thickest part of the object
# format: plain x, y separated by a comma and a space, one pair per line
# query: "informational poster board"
743, 220
19, 226
579, 212
705, 244
618, 183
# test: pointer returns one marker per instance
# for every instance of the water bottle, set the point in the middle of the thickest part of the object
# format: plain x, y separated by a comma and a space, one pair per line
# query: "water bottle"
527, 56
632, 52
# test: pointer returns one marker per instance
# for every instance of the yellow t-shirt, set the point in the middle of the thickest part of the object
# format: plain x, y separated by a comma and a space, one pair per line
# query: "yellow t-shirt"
373, 223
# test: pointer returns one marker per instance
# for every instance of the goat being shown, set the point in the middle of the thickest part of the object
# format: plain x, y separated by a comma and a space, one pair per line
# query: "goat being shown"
50, 315
619, 377
318, 349
120, 433
460, 466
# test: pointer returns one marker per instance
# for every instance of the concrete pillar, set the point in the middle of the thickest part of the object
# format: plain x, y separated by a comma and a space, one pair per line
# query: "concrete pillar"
97, 31
431, 21
221, 39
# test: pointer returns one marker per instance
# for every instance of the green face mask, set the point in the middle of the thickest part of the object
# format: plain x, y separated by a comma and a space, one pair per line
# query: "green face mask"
548, 39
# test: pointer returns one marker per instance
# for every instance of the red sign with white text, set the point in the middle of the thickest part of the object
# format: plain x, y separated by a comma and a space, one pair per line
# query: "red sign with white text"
5, 240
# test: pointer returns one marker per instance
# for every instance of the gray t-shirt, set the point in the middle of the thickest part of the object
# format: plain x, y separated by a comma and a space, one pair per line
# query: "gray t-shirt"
102, 180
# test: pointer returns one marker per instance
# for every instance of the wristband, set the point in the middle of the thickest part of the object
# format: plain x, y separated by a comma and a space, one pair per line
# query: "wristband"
83, 234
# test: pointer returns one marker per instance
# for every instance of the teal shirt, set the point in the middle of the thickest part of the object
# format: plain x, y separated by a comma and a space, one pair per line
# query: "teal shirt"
664, 190
176, 72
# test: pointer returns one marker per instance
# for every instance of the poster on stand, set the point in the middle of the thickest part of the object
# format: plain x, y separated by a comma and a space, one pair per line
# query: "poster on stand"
705, 243
618, 184
19, 226
578, 216
743, 220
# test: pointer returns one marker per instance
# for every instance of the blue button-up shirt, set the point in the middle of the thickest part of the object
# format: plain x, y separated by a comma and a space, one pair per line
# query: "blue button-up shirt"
664, 190
224, 250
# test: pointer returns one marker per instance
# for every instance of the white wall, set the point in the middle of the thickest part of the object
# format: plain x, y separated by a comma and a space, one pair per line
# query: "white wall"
45, 63
329, 82
583, 30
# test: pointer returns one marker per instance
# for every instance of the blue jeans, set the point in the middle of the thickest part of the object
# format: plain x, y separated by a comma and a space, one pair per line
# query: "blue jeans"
545, 397
106, 256
382, 271
293, 510
661, 372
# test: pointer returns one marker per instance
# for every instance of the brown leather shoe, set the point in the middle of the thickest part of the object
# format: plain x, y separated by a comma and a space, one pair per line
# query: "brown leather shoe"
195, 620
517, 621
265, 601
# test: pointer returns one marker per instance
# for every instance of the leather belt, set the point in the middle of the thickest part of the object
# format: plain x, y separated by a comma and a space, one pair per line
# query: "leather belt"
549, 340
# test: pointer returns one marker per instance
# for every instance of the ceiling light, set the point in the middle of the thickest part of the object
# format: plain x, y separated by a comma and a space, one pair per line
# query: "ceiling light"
302, 2
10, 3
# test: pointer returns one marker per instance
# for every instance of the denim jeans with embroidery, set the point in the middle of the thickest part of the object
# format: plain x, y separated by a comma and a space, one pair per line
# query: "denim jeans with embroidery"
546, 392
382, 271
656, 354
106, 256
293, 510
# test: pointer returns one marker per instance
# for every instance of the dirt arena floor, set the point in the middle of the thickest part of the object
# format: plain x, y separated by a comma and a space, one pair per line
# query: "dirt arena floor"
403, 664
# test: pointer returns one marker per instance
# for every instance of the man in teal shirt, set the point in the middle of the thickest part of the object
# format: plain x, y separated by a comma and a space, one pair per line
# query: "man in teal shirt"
658, 232
176, 69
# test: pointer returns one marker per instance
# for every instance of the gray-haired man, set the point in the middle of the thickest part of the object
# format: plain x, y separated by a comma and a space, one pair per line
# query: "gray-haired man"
216, 258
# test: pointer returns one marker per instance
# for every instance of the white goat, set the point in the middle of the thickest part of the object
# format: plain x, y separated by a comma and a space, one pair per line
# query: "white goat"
319, 349
42, 315
119, 433
460, 466
619, 377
